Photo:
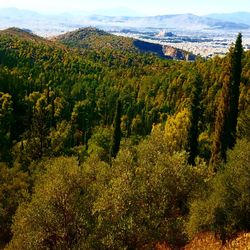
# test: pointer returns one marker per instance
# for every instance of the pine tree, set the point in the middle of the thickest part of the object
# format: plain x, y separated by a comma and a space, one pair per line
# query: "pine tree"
220, 140
227, 113
194, 119
236, 57
117, 134
6, 121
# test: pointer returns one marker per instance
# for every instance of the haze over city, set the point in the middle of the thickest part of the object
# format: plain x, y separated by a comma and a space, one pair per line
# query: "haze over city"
130, 7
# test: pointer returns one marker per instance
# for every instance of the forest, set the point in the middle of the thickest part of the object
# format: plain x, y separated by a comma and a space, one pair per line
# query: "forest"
106, 147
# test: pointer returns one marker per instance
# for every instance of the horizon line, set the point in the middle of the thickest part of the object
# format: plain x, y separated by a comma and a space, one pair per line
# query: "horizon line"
92, 12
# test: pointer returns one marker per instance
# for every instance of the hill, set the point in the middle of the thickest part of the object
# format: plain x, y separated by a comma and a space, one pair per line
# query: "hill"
92, 38
95, 39
22, 34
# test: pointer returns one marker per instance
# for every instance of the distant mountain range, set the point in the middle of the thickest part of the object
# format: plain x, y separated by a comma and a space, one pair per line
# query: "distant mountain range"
56, 24
238, 17
180, 21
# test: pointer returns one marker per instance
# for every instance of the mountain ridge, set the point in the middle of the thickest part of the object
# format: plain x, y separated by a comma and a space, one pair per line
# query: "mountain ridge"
49, 25
239, 17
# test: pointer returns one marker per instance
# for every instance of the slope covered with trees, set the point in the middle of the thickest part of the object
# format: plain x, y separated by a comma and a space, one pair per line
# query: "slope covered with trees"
111, 148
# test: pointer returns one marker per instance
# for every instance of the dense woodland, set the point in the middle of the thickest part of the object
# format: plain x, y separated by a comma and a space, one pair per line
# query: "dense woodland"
105, 147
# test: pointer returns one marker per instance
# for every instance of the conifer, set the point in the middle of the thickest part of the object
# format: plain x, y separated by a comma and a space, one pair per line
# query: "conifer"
117, 134
227, 113
194, 120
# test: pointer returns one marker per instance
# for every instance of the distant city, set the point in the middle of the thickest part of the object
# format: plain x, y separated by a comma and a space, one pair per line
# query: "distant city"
206, 36
207, 43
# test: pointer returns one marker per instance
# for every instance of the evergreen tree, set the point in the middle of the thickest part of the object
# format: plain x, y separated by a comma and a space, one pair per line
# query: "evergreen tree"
6, 120
227, 113
117, 134
235, 89
220, 140
194, 120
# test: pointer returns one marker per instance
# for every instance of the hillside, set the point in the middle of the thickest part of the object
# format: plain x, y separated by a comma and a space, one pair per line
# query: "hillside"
102, 148
22, 34
95, 39
92, 38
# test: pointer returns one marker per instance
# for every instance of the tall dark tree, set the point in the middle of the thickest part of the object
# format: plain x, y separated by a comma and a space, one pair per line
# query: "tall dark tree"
117, 134
6, 121
227, 113
194, 119
236, 57
220, 140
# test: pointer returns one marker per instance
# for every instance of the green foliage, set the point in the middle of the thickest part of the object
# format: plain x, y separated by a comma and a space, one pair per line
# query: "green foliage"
243, 125
57, 216
117, 133
220, 137
60, 138
81, 86
224, 206
236, 61
100, 143
227, 113
195, 114
14, 187
6, 120
146, 200
176, 131
61, 101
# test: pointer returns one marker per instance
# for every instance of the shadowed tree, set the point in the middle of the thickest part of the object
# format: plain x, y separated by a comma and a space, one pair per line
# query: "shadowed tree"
6, 119
227, 113
117, 134
194, 120
220, 140
236, 57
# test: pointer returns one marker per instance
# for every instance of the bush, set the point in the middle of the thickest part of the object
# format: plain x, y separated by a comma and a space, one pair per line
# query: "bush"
14, 189
224, 207
57, 217
147, 199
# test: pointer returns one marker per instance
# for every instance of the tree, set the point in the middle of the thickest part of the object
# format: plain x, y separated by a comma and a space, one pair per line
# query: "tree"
227, 113
57, 216
194, 120
37, 139
176, 131
6, 119
223, 207
14, 188
236, 57
82, 118
146, 200
117, 134
99, 143
220, 140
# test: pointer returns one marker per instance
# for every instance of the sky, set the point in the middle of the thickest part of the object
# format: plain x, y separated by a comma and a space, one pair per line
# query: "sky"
136, 7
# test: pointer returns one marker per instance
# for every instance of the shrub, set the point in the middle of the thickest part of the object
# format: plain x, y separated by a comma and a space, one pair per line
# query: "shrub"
224, 207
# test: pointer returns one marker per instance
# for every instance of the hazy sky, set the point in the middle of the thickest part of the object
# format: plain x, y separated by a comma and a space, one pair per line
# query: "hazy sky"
147, 7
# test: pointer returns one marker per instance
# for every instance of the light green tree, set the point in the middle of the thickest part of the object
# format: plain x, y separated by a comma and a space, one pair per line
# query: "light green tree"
57, 217
176, 130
